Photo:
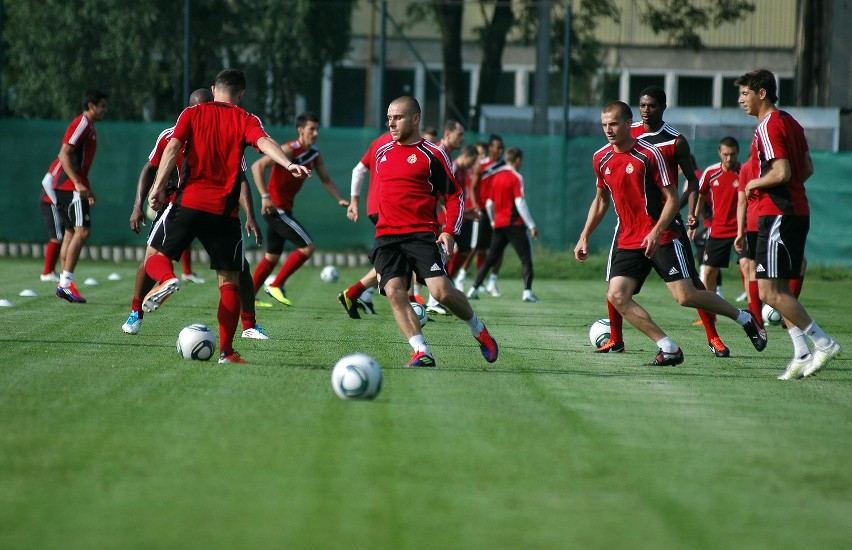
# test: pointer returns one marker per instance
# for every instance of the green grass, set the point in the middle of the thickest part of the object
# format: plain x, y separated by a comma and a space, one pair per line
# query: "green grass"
112, 441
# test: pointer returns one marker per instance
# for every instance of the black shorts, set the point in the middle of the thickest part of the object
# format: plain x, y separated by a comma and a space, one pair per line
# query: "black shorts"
781, 246
481, 229
73, 210
52, 220
221, 236
751, 245
399, 255
717, 252
670, 262
465, 238
283, 227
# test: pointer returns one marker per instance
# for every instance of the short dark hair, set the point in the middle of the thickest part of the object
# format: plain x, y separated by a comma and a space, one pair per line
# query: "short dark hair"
233, 80
623, 109
304, 118
92, 96
450, 124
760, 79
469, 151
656, 92
429, 130
411, 104
729, 141
513, 153
493, 138
201, 95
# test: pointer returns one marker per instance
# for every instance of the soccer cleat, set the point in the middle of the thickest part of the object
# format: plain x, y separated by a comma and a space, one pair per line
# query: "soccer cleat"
278, 294
437, 309
421, 359
820, 358
159, 294
795, 367
419, 299
192, 278
755, 332
698, 323
133, 323
487, 345
529, 297
258, 303
49, 277
350, 306
232, 357
492, 290
718, 348
473, 293
70, 294
367, 306
666, 359
611, 347
742, 297
256, 333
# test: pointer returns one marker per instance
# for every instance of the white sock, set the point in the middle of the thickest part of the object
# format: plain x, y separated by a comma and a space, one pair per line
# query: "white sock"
65, 279
744, 317
475, 325
418, 343
461, 275
817, 336
432, 301
367, 295
492, 279
667, 344
800, 342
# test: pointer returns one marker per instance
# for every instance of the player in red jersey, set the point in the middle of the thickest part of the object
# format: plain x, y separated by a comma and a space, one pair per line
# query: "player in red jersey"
278, 197
719, 183
745, 242
675, 150
360, 294
74, 195
784, 164
413, 174
510, 219
206, 206
633, 173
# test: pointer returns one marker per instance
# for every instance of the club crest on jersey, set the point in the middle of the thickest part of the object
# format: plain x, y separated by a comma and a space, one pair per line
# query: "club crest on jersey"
412, 159
629, 168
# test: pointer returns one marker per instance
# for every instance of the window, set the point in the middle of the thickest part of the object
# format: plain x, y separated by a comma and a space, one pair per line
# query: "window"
786, 91
695, 91
640, 82
730, 92
347, 102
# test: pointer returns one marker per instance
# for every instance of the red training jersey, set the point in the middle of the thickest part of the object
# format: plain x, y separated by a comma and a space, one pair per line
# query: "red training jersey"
664, 140
82, 136
487, 168
157, 154
215, 135
283, 185
410, 179
780, 136
634, 178
747, 173
506, 186
722, 186
367, 160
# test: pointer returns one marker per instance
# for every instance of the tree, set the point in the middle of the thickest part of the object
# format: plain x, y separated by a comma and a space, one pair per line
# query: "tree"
449, 15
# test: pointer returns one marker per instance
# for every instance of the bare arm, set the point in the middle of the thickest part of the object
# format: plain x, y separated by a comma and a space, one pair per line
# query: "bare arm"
319, 167
258, 172
683, 155
65, 153
597, 210
271, 148
651, 242
143, 186
358, 173
779, 174
695, 215
157, 195
247, 205
475, 178
739, 241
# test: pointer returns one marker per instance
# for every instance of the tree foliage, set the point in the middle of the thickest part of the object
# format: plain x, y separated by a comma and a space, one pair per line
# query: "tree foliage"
56, 49
684, 20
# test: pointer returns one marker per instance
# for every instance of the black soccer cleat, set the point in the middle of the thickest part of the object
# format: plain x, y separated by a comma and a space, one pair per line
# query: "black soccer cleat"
351, 306
756, 333
666, 359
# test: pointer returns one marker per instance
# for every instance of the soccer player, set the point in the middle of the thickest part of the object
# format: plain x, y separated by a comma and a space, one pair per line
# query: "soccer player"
745, 242
676, 152
633, 173
510, 219
719, 181
74, 195
463, 165
412, 174
784, 164
206, 206
278, 197
55, 231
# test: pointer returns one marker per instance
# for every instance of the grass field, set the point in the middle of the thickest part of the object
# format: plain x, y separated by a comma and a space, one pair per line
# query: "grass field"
112, 441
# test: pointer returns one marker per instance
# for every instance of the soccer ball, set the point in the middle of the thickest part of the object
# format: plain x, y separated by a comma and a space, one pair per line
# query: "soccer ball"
770, 315
421, 314
196, 342
356, 376
329, 274
599, 332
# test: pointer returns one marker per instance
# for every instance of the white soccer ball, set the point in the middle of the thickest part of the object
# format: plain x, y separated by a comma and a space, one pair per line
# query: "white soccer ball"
421, 314
356, 376
771, 316
599, 332
329, 274
196, 342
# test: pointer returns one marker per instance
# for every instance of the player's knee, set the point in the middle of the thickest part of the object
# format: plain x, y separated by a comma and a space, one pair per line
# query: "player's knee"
309, 249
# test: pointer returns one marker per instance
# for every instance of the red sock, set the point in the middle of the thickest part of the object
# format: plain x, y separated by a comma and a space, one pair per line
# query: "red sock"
159, 268
455, 264
616, 323
248, 320
754, 303
796, 286
480, 259
261, 272
294, 261
228, 315
709, 321
136, 305
186, 260
51, 255
355, 290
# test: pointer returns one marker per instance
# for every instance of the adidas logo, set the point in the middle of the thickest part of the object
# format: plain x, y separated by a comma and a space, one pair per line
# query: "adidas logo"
760, 268
383, 159
673, 271
607, 171
435, 267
